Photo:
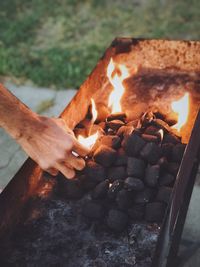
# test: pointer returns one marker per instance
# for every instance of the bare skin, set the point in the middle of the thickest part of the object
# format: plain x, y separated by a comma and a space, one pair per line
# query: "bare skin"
48, 141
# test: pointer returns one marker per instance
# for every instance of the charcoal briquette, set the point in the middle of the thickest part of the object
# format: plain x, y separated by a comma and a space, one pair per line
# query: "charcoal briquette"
162, 125
133, 144
166, 179
117, 220
117, 116
124, 199
112, 141
154, 212
151, 130
133, 184
177, 152
136, 212
162, 162
95, 171
115, 124
135, 167
105, 155
150, 138
171, 118
151, 152
121, 158
164, 194
133, 123
172, 167
167, 150
114, 188
159, 114
116, 173
100, 190
125, 131
93, 210
88, 183
152, 175
144, 196
171, 138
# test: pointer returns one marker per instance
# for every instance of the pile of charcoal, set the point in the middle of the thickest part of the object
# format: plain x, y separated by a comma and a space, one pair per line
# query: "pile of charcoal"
130, 172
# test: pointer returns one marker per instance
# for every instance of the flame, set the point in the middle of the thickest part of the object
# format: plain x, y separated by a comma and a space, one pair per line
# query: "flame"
182, 108
117, 82
94, 116
91, 139
161, 133
88, 141
94, 111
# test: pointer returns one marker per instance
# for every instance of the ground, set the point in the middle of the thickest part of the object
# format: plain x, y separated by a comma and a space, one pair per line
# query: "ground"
56, 43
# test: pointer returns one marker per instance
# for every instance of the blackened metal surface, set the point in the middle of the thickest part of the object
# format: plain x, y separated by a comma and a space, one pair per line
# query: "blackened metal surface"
54, 232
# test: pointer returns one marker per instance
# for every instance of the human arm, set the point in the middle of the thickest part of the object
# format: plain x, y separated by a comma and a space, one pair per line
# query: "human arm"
48, 141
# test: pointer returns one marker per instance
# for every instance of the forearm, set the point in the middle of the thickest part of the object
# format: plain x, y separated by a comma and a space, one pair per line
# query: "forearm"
15, 117
48, 141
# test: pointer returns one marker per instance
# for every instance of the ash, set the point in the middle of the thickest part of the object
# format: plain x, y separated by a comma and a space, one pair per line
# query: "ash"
53, 232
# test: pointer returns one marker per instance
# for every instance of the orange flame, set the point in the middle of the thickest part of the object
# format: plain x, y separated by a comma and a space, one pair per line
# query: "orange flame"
117, 82
94, 111
88, 141
161, 133
91, 139
182, 108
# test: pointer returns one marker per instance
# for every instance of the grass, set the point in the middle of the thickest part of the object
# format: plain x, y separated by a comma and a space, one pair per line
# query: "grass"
56, 43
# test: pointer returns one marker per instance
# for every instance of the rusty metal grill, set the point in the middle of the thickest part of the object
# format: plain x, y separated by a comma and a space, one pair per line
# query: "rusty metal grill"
38, 227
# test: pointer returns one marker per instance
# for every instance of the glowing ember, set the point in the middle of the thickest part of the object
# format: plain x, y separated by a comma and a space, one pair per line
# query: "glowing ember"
117, 82
161, 132
88, 141
182, 108
91, 139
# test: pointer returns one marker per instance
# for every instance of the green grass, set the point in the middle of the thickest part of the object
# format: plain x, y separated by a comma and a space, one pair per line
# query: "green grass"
56, 43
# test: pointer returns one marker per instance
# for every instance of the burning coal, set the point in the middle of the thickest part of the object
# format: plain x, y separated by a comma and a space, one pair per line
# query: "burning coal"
132, 165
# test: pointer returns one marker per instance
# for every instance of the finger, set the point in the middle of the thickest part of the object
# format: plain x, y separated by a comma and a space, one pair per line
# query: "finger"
52, 171
66, 170
79, 148
75, 162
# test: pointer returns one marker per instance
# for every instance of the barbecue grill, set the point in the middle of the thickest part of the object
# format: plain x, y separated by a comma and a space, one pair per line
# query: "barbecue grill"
38, 227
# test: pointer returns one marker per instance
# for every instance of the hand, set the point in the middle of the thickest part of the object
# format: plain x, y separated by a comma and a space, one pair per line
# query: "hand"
52, 144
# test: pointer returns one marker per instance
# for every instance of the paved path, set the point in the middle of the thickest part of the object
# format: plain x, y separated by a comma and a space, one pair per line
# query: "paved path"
11, 158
